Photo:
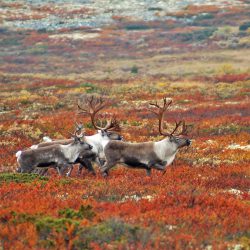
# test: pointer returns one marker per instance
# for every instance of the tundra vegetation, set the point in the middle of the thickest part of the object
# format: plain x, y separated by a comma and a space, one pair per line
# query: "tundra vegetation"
197, 55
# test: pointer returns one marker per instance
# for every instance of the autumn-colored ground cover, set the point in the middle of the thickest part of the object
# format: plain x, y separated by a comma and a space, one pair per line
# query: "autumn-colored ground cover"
198, 55
202, 200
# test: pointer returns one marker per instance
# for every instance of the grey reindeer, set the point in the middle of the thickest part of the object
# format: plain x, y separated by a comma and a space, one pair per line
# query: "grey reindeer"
82, 158
147, 155
92, 106
57, 156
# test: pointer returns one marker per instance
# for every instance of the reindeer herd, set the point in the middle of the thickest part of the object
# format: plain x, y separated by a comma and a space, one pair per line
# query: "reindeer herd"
106, 148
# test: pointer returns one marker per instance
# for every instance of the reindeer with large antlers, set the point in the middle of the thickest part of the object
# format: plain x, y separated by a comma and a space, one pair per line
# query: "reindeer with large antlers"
148, 155
91, 106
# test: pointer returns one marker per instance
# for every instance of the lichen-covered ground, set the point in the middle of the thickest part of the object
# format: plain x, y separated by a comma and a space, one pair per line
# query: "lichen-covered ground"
203, 199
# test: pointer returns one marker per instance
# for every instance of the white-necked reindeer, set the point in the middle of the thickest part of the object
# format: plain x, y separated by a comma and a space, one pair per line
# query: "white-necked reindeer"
92, 106
57, 156
148, 155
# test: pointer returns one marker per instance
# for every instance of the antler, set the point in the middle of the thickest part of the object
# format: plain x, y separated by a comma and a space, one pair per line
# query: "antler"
112, 125
79, 128
160, 114
184, 129
92, 106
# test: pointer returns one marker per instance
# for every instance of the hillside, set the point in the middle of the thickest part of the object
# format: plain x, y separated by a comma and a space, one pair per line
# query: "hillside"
54, 53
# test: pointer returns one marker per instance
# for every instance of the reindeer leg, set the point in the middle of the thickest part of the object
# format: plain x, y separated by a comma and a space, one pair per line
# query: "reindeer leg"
58, 170
98, 161
89, 166
85, 163
102, 161
80, 169
148, 171
70, 170
105, 168
160, 166
42, 171
61, 168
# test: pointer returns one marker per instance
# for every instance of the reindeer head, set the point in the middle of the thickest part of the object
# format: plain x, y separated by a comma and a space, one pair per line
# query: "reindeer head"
177, 139
79, 137
92, 105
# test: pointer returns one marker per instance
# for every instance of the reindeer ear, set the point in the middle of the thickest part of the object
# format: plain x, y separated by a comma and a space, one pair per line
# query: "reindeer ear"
171, 138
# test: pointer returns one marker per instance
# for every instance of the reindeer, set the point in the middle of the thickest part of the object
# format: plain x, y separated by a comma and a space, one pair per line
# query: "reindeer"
92, 106
82, 158
58, 156
104, 133
148, 155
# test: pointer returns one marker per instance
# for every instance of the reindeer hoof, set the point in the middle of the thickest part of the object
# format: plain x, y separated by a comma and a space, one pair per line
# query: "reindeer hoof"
105, 174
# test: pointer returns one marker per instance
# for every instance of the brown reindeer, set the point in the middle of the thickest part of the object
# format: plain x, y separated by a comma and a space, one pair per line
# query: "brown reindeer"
148, 155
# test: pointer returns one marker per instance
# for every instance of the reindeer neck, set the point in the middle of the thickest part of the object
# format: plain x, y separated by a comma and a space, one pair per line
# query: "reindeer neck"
71, 151
165, 150
105, 142
97, 141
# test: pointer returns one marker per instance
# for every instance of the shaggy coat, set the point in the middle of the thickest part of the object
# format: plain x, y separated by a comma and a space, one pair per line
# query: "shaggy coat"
145, 155
59, 156
97, 141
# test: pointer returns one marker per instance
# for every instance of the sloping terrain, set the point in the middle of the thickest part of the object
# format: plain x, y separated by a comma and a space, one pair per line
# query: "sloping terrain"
53, 54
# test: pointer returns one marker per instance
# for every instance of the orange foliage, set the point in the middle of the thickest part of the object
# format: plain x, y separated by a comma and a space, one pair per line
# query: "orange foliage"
201, 201
230, 78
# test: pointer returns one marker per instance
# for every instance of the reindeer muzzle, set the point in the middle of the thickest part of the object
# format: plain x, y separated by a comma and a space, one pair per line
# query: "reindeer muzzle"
188, 142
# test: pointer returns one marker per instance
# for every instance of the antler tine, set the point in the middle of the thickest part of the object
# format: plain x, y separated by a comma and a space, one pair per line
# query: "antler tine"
166, 105
79, 126
116, 125
74, 135
160, 125
177, 125
163, 108
80, 129
112, 125
165, 101
184, 129
84, 110
155, 104
94, 105
160, 113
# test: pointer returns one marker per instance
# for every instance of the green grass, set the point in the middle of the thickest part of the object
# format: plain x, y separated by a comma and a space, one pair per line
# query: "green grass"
83, 212
20, 178
113, 230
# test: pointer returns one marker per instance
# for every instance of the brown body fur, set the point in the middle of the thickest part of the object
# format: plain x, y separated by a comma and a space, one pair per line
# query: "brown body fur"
135, 155
62, 142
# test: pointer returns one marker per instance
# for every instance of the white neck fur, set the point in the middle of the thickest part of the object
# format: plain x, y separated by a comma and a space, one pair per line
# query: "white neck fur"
165, 150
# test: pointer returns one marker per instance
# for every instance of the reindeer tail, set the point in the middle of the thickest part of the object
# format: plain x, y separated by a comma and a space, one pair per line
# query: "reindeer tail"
47, 139
18, 154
